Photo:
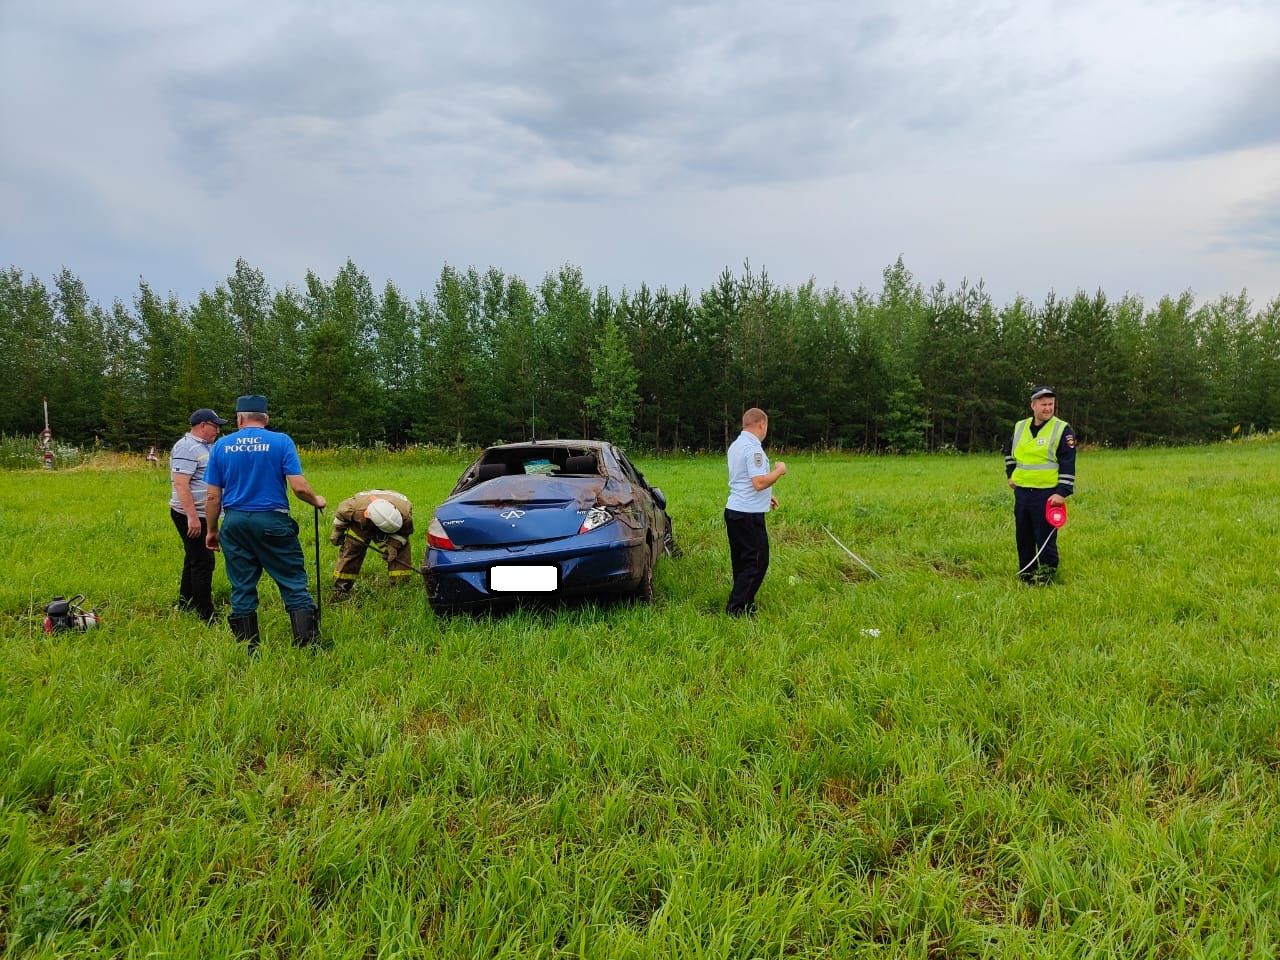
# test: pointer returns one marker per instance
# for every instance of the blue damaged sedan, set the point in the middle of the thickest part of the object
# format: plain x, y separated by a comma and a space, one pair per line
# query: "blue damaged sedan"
555, 518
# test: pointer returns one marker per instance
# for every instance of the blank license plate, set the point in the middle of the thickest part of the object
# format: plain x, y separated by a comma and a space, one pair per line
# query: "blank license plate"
523, 579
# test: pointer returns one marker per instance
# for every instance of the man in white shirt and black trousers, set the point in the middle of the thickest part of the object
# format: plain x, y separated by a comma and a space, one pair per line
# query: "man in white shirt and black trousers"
187, 464
750, 498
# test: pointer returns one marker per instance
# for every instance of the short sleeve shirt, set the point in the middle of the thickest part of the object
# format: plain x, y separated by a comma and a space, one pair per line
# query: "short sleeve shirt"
189, 457
250, 466
747, 459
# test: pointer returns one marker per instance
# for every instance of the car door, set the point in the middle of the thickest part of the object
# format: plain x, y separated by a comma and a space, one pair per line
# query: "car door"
655, 516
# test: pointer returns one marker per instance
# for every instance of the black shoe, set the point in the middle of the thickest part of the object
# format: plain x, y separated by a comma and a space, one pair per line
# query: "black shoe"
246, 628
306, 627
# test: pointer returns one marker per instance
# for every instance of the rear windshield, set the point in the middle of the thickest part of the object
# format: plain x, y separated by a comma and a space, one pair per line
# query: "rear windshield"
534, 462
544, 461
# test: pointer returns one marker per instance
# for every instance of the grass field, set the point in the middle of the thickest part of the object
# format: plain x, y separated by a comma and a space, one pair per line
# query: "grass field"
941, 763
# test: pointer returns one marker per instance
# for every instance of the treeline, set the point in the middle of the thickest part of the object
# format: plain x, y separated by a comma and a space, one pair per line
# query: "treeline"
484, 357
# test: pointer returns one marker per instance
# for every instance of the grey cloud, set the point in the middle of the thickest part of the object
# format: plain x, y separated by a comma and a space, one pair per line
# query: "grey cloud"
832, 34
1251, 118
433, 131
317, 78
581, 113
308, 78
1255, 228
83, 33
691, 108
82, 233
718, 94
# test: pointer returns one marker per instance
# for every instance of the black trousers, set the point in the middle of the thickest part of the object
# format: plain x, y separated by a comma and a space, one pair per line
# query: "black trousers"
195, 592
749, 554
1032, 530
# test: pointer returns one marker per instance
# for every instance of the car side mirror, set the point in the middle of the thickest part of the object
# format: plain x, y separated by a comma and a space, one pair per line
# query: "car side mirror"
659, 498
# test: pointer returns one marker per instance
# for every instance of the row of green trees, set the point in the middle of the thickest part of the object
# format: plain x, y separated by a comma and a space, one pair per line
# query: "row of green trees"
485, 357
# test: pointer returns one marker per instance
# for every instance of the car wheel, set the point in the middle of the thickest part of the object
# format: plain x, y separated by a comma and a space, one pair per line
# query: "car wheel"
669, 544
643, 593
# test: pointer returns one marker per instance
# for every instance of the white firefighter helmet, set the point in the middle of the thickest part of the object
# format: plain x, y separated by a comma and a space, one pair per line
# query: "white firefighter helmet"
384, 516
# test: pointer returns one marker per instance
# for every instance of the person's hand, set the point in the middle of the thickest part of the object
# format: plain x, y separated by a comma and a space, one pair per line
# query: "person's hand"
773, 503
1012, 485
320, 502
1057, 500
212, 540
193, 527
781, 468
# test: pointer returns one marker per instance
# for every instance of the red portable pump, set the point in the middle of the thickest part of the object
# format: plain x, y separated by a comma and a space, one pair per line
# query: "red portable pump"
63, 614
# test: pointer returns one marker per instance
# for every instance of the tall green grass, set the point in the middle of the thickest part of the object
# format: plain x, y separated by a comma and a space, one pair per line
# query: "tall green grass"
20, 452
940, 763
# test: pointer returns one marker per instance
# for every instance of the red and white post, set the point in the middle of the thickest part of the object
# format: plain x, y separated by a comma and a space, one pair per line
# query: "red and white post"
46, 438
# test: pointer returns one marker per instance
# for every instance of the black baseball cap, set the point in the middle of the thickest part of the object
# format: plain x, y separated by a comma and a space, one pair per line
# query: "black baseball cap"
1042, 391
205, 415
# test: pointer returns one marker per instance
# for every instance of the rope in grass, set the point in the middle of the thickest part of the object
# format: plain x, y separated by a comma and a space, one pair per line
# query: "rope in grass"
1032, 561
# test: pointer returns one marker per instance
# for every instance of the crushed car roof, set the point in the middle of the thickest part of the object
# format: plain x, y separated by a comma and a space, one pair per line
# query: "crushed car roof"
584, 444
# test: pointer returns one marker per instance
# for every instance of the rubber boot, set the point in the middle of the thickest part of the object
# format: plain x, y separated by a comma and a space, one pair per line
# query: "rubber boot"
246, 628
306, 627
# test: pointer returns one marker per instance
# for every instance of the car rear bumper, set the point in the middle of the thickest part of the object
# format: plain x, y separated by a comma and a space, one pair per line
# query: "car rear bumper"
460, 579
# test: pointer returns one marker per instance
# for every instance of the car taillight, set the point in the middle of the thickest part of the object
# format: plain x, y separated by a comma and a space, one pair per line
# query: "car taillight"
596, 517
436, 537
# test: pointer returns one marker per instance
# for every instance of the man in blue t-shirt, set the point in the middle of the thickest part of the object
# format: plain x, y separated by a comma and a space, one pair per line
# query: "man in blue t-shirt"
249, 475
750, 498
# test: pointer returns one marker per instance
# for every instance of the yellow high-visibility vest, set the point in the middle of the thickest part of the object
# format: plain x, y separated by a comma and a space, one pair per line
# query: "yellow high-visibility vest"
1037, 456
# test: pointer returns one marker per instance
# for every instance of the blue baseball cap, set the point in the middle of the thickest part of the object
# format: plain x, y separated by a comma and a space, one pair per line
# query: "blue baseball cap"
251, 404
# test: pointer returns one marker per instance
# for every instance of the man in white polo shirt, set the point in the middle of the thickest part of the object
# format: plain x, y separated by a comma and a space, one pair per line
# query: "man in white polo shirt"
187, 462
750, 498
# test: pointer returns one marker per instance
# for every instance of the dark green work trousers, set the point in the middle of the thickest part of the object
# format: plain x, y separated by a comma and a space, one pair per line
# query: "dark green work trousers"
254, 542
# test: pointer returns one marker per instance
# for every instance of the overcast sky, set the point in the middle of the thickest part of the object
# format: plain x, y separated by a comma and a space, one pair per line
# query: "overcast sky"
1036, 144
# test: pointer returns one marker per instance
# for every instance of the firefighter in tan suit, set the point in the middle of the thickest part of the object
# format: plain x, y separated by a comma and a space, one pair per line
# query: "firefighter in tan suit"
381, 517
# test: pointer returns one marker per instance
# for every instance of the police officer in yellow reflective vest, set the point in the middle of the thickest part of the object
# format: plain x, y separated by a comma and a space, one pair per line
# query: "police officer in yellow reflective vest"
381, 517
1040, 463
